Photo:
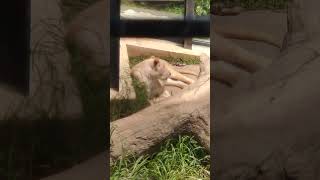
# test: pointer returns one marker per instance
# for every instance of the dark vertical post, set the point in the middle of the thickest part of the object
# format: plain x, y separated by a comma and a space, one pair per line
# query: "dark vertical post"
15, 45
27, 46
114, 43
108, 50
188, 15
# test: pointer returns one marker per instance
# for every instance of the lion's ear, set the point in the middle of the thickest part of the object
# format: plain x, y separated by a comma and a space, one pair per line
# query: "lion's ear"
156, 62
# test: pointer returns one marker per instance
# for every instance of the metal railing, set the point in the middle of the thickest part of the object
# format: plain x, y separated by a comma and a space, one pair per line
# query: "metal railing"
189, 6
188, 28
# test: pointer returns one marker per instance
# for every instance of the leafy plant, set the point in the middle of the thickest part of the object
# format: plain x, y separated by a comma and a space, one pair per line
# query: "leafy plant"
255, 4
202, 7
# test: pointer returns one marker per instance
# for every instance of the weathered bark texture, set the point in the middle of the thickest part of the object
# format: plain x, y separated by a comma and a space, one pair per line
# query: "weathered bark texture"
258, 25
89, 33
271, 122
230, 52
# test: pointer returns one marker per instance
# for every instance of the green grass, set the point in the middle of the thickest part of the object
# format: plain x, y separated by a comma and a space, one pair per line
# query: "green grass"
123, 108
187, 61
179, 159
202, 7
171, 7
256, 4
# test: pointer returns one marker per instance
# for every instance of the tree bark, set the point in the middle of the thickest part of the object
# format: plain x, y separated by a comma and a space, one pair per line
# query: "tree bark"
266, 124
232, 53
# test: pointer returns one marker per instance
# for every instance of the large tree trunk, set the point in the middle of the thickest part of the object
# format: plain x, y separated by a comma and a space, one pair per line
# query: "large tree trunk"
276, 110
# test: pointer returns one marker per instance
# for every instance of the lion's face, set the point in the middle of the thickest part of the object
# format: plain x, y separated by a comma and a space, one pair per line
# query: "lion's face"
160, 70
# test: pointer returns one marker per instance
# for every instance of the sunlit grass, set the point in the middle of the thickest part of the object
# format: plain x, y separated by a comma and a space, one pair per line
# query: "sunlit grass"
178, 159
125, 107
172, 60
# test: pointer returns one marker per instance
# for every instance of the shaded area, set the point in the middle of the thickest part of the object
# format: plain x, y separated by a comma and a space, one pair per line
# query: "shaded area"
15, 45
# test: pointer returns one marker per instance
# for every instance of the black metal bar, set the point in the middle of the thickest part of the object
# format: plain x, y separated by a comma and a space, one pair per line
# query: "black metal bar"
189, 9
157, 0
160, 28
15, 45
114, 43
188, 15
27, 47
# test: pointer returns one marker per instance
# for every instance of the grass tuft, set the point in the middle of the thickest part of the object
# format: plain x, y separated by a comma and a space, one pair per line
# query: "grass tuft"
178, 159
172, 60
125, 107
